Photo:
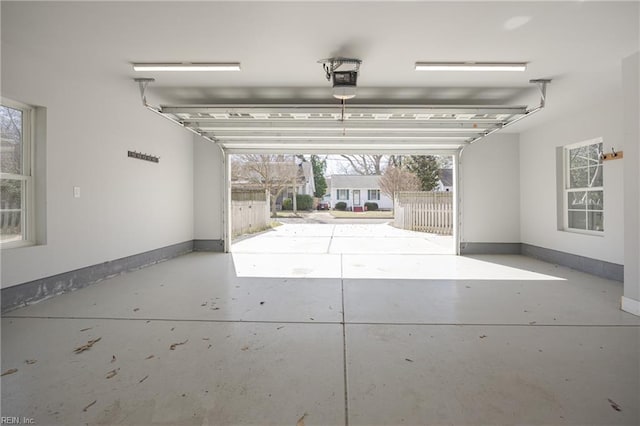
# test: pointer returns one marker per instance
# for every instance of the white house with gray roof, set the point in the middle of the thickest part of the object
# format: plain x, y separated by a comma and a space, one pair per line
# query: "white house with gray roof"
356, 190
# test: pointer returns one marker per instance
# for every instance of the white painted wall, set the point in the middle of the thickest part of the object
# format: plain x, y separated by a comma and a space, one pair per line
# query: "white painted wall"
208, 187
127, 206
489, 185
631, 126
538, 198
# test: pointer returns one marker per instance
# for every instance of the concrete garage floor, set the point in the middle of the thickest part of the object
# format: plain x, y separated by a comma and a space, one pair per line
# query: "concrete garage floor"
350, 238
263, 339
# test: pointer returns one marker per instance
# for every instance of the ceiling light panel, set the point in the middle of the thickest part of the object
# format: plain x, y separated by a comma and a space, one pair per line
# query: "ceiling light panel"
187, 66
471, 66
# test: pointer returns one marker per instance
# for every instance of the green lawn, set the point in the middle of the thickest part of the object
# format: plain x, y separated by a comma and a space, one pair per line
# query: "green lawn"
362, 215
287, 214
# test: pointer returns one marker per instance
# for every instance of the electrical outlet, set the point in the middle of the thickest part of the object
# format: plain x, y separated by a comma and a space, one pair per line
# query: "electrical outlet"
76, 192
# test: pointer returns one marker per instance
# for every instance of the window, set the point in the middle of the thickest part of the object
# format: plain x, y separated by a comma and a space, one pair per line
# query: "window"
15, 172
343, 194
373, 194
584, 192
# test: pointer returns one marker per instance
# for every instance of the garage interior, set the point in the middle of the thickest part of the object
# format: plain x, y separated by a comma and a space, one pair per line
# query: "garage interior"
121, 300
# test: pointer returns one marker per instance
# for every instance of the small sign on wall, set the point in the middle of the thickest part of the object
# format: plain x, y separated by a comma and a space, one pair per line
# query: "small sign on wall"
145, 157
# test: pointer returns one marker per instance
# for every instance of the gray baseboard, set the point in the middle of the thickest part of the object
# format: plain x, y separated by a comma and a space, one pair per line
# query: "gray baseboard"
600, 268
44, 288
490, 248
208, 245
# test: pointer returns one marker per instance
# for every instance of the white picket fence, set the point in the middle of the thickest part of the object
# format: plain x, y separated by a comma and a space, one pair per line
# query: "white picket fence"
250, 211
425, 212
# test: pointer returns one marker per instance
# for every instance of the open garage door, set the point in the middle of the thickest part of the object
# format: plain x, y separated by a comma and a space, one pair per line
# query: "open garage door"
341, 128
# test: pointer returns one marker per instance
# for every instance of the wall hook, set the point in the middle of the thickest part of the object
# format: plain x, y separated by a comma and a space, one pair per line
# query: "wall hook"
614, 155
143, 156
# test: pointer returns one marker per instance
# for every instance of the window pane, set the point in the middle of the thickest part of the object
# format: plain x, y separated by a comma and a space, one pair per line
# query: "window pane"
577, 220
578, 157
594, 153
595, 221
11, 210
596, 201
579, 178
595, 176
577, 200
11, 133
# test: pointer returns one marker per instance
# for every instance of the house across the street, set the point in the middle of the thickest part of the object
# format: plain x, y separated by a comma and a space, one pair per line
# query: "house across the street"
445, 180
356, 190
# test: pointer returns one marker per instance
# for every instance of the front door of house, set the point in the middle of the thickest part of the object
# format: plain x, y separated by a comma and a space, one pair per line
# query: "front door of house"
356, 197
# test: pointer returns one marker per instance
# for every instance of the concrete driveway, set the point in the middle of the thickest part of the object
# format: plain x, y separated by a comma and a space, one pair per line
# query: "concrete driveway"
344, 238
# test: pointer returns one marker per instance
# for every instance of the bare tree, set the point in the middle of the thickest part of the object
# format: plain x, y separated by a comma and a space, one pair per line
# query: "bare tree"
11, 130
366, 164
11, 160
395, 180
396, 161
273, 173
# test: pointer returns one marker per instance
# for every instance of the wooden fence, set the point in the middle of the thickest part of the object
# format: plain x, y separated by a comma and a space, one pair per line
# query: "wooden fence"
250, 211
425, 212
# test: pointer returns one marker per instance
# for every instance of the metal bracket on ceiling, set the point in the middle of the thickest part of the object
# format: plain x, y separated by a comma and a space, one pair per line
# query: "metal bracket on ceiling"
542, 87
142, 85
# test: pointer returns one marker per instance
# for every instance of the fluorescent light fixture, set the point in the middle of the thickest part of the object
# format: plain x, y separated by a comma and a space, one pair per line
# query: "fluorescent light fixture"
187, 66
471, 66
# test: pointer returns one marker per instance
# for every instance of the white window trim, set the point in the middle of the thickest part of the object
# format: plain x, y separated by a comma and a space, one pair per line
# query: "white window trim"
338, 194
28, 198
567, 190
369, 193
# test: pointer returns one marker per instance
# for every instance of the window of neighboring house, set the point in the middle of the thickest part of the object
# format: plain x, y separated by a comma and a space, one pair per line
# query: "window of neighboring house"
16, 186
584, 191
373, 194
343, 194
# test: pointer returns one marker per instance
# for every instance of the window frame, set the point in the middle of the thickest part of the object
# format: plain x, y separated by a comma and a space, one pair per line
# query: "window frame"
338, 195
567, 189
377, 191
27, 221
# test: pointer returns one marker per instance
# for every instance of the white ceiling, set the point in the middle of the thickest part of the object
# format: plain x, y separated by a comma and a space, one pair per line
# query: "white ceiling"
578, 44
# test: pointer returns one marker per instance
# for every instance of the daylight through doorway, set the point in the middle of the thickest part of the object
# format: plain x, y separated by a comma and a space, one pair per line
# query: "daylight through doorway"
342, 204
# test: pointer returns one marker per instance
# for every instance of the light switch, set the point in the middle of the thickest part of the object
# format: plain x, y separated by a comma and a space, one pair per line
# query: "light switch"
76, 192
